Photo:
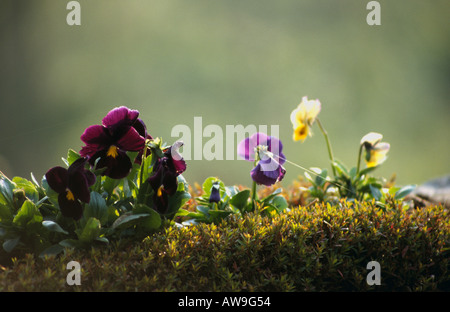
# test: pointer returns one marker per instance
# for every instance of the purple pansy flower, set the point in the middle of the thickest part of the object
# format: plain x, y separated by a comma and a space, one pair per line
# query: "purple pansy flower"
121, 131
72, 185
215, 193
269, 169
164, 181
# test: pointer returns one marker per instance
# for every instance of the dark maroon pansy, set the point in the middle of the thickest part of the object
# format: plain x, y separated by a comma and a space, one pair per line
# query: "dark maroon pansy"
107, 144
72, 185
164, 181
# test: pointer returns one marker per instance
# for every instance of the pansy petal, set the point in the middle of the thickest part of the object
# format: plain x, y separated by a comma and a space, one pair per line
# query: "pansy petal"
78, 185
178, 163
116, 167
260, 177
274, 145
141, 128
120, 116
57, 179
131, 141
371, 138
215, 193
243, 150
96, 135
70, 208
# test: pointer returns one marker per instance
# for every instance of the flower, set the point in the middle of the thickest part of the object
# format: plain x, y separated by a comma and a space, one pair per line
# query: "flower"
215, 193
107, 144
303, 117
268, 153
72, 185
375, 149
164, 181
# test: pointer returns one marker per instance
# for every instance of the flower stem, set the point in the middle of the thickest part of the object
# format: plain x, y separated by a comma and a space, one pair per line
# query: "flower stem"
254, 197
359, 159
254, 194
330, 151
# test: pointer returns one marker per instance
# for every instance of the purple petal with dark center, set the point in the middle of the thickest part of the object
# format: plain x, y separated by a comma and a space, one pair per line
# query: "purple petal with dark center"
215, 194
243, 150
164, 175
57, 179
116, 168
70, 208
178, 163
267, 177
96, 135
141, 128
246, 148
161, 203
131, 141
275, 146
120, 116
78, 185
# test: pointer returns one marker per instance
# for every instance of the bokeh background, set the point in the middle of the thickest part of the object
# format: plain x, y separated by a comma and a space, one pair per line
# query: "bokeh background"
230, 62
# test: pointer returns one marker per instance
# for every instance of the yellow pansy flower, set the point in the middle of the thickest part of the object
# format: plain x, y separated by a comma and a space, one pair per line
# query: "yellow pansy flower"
375, 149
303, 117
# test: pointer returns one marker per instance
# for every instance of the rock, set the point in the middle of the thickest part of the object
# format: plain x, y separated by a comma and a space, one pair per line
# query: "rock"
436, 191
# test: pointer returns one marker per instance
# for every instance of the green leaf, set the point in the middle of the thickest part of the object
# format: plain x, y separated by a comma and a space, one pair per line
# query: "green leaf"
309, 178
97, 208
110, 184
27, 214
341, 169
11, 243
240, 199
5, 213
147, 167
321, 178
176, 201
51, 194
404, 191
52, 250
150, 223
30, 189
90, 231
6, 191
72, 156
207, 185
53, 226
71, 243
375, 191
218, 215
128, 220
367, 170
280, 203
271, 196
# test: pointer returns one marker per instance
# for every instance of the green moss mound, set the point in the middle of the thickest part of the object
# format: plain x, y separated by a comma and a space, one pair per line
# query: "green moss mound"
316, 248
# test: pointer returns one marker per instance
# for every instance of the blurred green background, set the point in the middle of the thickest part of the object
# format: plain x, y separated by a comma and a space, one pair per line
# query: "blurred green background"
230, 62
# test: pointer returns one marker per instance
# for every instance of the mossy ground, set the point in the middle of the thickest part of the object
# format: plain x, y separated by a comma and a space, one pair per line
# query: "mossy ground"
320, 247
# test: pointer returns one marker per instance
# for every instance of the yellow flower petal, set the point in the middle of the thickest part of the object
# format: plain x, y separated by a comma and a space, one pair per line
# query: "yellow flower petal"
300, 133
378, 154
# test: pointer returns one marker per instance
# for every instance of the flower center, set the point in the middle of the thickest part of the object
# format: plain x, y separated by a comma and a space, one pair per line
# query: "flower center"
159, 192
112, 151
69, 195
263, 151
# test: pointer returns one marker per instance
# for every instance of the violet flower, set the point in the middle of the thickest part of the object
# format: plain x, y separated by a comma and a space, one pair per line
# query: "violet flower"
121, 131
164, 181
269, 157
215, 193
72, 185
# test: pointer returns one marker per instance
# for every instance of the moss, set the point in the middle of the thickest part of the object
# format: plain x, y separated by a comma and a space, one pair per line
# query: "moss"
316, 248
